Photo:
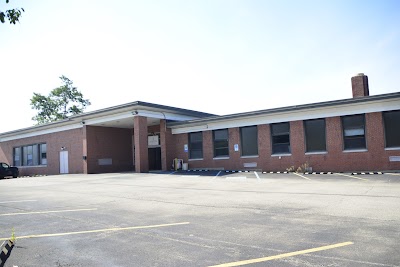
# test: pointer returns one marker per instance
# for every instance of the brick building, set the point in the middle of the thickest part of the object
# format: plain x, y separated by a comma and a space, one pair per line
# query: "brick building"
357, 134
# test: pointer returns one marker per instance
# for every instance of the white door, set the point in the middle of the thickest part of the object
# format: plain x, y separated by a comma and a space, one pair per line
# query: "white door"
63, 161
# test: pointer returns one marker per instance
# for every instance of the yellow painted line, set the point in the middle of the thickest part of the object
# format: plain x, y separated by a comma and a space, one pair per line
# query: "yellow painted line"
44, 212
285, 255
302, 176
352, 176
97, 231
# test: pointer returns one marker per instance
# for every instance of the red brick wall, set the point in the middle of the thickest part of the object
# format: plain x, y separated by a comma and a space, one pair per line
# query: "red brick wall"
109, 143
375, 159
71, 140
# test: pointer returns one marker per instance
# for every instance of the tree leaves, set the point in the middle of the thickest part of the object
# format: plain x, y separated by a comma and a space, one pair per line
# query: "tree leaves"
61, 103
12, 15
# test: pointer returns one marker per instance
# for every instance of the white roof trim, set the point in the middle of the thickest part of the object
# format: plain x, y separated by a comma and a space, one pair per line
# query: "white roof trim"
42, 132
293, 115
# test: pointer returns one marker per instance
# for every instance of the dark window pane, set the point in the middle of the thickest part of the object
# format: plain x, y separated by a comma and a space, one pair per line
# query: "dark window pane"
17, 156
354, 131
280, 148
353, 121
221, 152
196, 154
193, 137
221, 134
43, 154
315, 135
392, 128
248, 136
280, 138
354, 143
280, 128
196, 145
221, 143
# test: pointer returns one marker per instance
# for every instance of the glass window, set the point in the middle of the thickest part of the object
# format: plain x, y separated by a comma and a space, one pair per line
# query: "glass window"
315, 135
221, 143
392, 128
196, 145
280, 138
43, 154
32, 155
354, 132
249, 142
17, 156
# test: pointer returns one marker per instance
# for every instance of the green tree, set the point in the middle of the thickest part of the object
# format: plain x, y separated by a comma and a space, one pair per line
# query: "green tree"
12, 15
61, 103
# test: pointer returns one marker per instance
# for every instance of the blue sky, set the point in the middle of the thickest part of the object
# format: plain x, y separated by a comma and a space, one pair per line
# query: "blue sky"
214, 56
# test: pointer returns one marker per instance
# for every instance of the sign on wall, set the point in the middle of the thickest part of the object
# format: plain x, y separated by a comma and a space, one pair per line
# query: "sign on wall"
236, 147
153, 140
185, 148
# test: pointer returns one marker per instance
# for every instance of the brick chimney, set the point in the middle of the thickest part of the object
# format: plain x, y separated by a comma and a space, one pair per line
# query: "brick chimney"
359, 85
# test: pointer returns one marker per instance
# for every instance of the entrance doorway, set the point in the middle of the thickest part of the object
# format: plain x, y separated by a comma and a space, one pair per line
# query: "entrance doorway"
63, 162
155, 158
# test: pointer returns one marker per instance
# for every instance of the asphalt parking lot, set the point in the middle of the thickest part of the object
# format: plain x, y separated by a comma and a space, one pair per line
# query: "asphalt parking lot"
202, 219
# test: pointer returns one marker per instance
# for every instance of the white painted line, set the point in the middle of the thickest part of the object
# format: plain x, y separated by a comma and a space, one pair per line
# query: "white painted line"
98, 231
185, 176
352, 176
236, 178
258, 177
302, 176
397, 174
44, 212
216, 175
16, 201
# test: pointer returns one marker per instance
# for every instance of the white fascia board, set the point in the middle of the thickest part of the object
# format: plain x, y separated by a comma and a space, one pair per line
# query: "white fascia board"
315, 113
109, 118
137, 112
42, 132
164, 115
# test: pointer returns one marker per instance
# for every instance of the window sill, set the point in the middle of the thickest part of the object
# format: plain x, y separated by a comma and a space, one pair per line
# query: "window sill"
392, 148
218, 158
281, 155
355, 150
195, 159
33, 166
249, 157
316, 153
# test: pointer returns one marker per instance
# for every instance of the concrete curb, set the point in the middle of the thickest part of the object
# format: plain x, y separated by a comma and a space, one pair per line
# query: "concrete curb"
6, 248
307, 173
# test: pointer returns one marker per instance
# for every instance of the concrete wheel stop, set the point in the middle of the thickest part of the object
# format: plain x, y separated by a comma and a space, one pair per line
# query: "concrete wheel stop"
6, 248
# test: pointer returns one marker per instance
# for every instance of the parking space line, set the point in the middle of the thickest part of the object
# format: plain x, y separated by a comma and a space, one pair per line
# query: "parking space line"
44, 212
16, 201
216, 175
302, 176
352, 176
236, 178
258, 177
97, 231
397, 174
284, 255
